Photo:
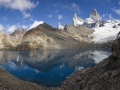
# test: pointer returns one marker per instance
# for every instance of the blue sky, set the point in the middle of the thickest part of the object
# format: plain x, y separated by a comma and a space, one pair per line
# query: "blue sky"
24, 13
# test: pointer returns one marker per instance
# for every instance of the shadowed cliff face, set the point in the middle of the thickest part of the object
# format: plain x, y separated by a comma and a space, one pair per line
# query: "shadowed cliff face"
45, 36
114, 62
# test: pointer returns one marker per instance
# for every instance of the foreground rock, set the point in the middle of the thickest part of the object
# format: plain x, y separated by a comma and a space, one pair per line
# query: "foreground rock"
45, 36
9, 82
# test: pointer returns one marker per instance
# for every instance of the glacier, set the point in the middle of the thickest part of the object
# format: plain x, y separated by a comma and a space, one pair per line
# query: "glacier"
106, 33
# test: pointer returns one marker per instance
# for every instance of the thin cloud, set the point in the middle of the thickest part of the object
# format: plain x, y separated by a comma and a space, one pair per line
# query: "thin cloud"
117, 11
56, 11
1, 27
26, 15
11, 28
72, 7
21, 5
75, 7
107, 16
49, 16
4, 18
60, 16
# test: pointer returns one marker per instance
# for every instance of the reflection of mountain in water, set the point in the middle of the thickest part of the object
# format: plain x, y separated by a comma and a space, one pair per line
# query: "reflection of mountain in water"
46, 60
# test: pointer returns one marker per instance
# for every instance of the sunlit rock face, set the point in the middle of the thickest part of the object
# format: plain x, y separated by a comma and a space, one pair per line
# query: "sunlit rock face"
5, 41
77, 20
17, 35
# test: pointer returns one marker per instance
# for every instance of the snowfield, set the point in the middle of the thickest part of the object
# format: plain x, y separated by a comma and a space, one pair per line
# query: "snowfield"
106, 33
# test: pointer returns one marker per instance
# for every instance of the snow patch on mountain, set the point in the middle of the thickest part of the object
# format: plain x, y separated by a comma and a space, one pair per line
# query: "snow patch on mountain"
36, 23
107, 33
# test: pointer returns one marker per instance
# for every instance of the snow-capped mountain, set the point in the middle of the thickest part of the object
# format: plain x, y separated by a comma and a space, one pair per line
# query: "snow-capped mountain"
60, 26
104, 31
94, 15
92, 21
77, 20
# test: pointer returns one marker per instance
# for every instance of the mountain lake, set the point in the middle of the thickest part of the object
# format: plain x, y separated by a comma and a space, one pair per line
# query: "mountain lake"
49, 67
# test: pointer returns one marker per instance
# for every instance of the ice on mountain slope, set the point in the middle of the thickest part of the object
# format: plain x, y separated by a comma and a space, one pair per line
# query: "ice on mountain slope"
106, 33
60, 26
77, 20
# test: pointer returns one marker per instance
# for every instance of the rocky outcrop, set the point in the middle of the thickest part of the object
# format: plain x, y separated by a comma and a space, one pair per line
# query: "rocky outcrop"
45, 36
77, 20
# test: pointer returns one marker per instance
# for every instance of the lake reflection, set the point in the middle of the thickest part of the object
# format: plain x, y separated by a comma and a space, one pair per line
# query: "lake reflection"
49, 68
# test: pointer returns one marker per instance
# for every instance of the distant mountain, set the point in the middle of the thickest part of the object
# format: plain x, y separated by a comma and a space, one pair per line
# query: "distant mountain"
18, 32
60, 26
93, 20
17, 35
45, 36
10, 41
5, 41
94, 15
77, 20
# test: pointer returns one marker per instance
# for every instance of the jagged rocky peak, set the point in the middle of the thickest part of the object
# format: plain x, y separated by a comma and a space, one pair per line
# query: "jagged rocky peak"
77, 20
75, 16
60, 26
94, 15
19, 31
